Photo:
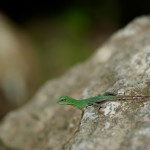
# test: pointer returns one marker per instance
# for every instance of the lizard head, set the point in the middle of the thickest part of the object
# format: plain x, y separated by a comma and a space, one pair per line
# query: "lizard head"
66, 100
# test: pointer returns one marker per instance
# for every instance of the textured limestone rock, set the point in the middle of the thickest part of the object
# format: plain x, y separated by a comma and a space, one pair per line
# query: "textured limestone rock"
122, 63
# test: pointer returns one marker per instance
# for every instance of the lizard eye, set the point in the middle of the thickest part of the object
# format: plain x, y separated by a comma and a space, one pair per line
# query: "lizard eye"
62, 100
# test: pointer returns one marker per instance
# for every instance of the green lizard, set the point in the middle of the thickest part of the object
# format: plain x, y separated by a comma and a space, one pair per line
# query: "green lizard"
96, 101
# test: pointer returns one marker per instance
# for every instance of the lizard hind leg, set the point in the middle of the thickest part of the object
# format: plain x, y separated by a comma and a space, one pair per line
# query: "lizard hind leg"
115, 92
109, 93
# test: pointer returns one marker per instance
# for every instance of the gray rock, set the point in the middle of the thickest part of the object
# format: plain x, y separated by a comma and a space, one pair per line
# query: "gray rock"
121, 64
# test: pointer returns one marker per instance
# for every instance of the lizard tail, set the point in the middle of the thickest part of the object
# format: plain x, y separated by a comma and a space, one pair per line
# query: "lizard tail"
135, 96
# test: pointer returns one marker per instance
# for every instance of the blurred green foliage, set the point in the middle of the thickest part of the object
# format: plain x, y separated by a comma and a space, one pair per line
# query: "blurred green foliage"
64, 40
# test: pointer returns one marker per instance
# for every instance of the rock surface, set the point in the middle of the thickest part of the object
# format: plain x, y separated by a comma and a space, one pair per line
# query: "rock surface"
122, 63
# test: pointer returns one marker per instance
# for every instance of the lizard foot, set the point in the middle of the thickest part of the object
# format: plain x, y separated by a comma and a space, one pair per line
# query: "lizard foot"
99, 109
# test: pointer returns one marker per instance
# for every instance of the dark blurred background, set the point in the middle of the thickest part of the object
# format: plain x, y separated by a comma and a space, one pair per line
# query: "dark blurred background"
40, 40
